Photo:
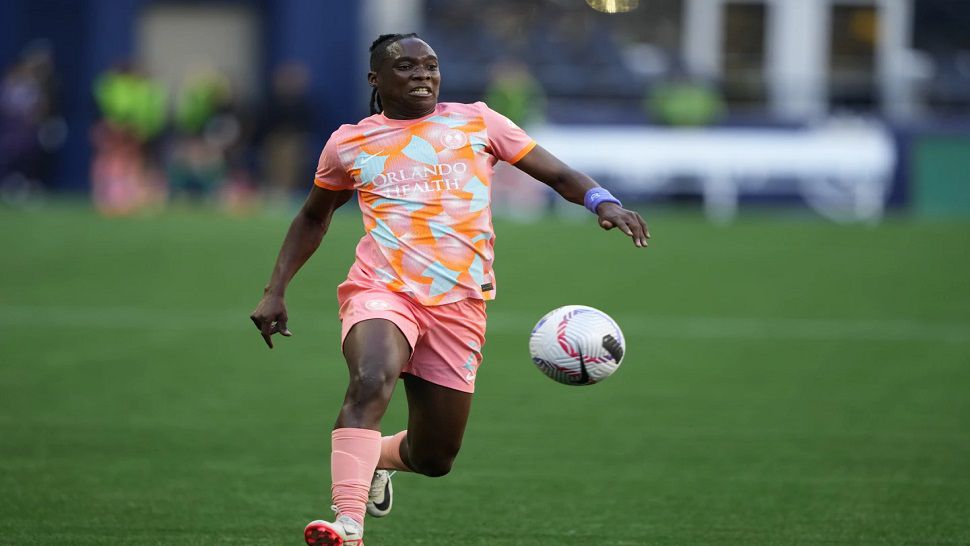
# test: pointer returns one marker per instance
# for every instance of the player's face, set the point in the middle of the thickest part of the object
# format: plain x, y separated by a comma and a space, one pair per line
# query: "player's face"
408, 79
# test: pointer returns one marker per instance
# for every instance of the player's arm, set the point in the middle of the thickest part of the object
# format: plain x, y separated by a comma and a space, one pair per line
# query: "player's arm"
574, 185
302, 240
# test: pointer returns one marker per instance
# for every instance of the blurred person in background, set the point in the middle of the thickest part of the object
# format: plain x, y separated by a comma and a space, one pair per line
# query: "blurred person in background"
683, 101
31, 129
208, 147
285, 130
124, 176
517, 95
413, 304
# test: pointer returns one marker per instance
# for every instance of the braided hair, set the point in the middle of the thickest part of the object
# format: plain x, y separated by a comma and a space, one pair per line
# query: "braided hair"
378, 50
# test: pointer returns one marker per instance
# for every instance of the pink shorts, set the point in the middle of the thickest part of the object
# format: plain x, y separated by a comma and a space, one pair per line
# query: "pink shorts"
446, 340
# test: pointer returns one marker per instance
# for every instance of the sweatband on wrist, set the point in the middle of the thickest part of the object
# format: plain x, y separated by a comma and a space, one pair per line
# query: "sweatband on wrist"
597, 196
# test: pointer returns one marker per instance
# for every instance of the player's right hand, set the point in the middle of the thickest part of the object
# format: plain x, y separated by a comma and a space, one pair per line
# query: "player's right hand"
270, 318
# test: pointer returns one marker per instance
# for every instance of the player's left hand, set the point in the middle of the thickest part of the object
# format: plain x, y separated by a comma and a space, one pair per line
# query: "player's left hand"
630, 222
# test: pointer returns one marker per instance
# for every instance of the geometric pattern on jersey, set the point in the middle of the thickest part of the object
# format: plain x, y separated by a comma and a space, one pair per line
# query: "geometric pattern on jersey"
424, 190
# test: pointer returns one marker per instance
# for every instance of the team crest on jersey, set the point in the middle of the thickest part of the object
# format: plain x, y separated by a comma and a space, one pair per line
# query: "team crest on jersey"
454, 139
377, 305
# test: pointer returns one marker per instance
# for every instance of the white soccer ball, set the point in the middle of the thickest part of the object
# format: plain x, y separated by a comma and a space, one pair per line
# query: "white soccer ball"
577, 345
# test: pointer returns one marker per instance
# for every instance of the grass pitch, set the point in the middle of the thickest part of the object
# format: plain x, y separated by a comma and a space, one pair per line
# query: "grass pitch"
786, 382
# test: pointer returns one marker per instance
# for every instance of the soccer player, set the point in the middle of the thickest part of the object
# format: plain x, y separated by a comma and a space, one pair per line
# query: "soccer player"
413, 304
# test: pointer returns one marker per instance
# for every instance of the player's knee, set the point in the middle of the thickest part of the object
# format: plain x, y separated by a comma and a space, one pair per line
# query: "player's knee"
434, 462
433, 466
372, 385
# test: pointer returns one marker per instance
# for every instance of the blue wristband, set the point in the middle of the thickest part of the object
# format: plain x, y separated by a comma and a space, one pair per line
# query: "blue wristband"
597, 196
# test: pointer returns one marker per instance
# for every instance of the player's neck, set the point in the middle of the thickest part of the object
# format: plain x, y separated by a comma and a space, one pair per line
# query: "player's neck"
405, 114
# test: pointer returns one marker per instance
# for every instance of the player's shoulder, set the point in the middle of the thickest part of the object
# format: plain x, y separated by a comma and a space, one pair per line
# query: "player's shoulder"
363, 125
495, 120
351, 130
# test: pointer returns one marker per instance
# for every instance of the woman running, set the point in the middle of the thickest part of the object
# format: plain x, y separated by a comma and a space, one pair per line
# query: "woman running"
413, 304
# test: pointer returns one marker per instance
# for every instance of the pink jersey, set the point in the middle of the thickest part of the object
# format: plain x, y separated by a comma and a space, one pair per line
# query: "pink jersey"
424, 188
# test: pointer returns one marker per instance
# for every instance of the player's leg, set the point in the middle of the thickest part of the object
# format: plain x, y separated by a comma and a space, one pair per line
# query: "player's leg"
376, 351
439, 379
437, 417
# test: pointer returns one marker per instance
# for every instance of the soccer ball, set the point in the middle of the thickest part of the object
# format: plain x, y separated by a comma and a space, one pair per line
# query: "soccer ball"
577, 345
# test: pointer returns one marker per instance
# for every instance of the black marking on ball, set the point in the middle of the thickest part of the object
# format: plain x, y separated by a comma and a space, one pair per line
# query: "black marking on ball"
583, 372
613, 347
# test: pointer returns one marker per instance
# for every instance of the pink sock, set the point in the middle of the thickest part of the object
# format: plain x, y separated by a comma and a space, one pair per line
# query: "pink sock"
354, 456
391, 453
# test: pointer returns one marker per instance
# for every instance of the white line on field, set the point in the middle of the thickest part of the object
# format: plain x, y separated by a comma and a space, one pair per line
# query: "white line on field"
503, 322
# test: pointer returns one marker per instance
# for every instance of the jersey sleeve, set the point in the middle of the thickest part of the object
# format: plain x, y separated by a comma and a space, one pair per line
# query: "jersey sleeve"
331, 173
507, 140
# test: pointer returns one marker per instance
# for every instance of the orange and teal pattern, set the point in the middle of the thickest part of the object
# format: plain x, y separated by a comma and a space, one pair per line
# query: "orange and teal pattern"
424, 188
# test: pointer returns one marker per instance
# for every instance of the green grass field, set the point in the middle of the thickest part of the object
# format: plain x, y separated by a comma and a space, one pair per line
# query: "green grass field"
787, 381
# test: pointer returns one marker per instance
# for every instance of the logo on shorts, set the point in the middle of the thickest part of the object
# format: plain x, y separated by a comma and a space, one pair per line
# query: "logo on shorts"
377, 305
454, 139
471, 364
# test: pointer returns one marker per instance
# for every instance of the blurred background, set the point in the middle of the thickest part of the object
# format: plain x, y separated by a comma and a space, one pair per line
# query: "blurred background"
847, 107
798, 332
